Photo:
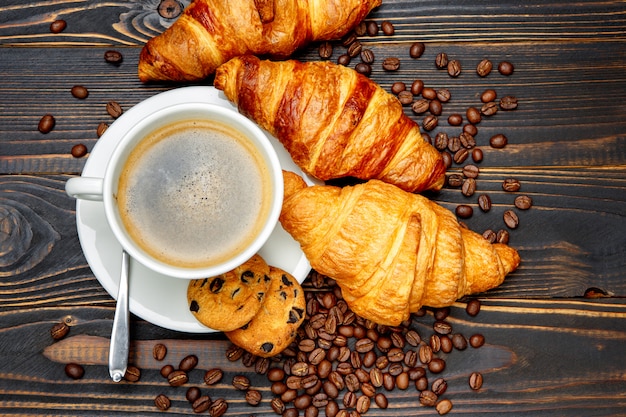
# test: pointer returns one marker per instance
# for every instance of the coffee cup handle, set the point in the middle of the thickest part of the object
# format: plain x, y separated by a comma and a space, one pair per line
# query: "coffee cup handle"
85, 188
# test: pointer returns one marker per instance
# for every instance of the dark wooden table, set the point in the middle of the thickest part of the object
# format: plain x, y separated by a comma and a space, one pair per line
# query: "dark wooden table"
550, 350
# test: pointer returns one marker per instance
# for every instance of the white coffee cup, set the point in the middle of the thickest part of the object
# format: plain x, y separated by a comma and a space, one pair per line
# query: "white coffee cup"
168, 132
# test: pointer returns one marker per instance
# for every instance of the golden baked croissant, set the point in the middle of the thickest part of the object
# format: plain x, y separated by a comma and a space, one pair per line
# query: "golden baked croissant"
333, 121
390, 251
210, 32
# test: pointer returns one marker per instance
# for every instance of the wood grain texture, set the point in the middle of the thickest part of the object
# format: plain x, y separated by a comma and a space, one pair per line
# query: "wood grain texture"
549, 351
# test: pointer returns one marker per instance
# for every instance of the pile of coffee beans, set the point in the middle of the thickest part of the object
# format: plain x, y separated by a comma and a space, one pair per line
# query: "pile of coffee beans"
342, 365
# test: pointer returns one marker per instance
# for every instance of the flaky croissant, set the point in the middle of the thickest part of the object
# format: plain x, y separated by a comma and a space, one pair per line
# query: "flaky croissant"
390, 251
210, 32
333, 121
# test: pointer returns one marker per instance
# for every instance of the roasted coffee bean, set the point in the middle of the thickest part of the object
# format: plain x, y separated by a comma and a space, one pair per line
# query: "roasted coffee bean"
476, 340
454, 68
428, 398
410, 358
511, 185
278, 388
471, 129
447, 159
421, 383
344, 59
277, 405
405, 97
461, 156
477, 155
484, 67
505, 68
416, 373
475, 380
413, 338
289, 395
455, 180
274, 374
439, 386
473, 115
376, 377
331, 409
488, 95
442, 327
261, 366
471, 171
430, 122
352, 382
523, 202
310, 381
443, 95
455, 119
484, 202
473, 307
425, 354
416, 87
363, 68
114, 109
429, 93
218, 407
301, 402
362, 404
201, 404
349, 39
511, 219
46, 123
170, 9
502, 236
325, 50
459, 342
381, 400
354, 49
113, 57
397, 87
420, 106
248, 359
446, 344
58, 26
467, 140
188, 363
166, 370
387, 28
311, 411
389, 382
508, 103
441, 313
372, 28
349, 399
417, 49
132, 374
162, 402
395, 369
464, 211
469, 187
435, 107
489, 109
498, 141
355, 359
177, 378
213, 376
59, 330
294, 382
159, 351
443, 407
441, 60
102, 127
79, 92
436, 365
391, 64
192, 394
319, 400
74, 370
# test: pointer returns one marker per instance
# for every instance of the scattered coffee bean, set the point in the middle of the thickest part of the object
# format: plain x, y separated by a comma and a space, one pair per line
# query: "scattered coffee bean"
192, 394
349, 39
484, 67
523, 202
489, 109
505, 68
508, 103
469, 187
473, 115
102, 127
78, 151
441, 60
476, 340
443, 407
471, 129
79, 92
490, 236
417, 49
475, 380
477, 155
460, 156
441, 141
387, 28
443, 95
391, 64
59, 330
429, 93
454, 144
46, 123
162, 402
464, 211
467, 140
58, 26
354, 49
397, 87
471, 171
430, 122
201, 404
159, 351
253, 397
371, 28
488, 95
439, 386
447, 159
416, 87
177, 378
511, 185
455, 119
241, 382
113, 57
74, 370
435, 107
218, 407
114, 109
498, 141
405, 97
367, 56
325, 50
420, 106
170, 9
459, 342
510, 219
484, 202
502, 236
454, 68
363, 68
132, 374
428, 398
166, 370
188, 363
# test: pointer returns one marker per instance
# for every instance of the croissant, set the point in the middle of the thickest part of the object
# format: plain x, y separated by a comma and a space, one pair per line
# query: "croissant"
210, 32
333, 121
390, 251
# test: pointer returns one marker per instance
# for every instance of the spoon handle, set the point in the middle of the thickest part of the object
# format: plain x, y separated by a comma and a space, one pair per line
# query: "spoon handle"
120, 339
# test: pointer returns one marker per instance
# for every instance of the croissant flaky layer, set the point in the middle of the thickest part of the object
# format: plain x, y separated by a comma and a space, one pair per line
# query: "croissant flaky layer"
390, 251
333, 121
210, 32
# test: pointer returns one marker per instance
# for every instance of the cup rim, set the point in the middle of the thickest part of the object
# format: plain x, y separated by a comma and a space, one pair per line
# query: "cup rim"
110, 191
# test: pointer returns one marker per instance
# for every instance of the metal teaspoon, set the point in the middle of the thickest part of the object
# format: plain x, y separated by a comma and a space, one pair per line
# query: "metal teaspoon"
120, 338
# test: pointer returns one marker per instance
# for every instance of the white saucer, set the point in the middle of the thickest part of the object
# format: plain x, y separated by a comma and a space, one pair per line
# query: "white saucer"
160, 299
